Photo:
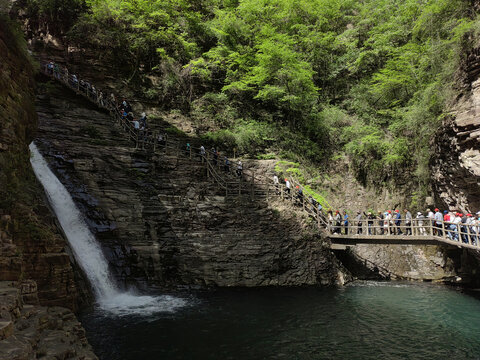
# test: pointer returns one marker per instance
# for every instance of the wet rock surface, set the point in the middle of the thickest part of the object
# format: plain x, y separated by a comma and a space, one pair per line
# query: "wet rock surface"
37, 332
161, 221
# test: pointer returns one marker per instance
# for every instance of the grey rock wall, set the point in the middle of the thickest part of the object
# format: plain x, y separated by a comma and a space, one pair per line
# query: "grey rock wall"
161, 221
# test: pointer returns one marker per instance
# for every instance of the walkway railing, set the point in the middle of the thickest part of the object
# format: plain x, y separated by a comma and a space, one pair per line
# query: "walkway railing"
465, 235
253, 185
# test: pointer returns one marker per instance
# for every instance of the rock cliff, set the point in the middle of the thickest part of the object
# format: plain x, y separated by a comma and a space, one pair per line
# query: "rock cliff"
34, 332
456, 163
33, 254
30, 245
158, 217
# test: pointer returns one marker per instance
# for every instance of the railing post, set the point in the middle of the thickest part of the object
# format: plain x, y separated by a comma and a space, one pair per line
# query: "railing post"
444, 235
469, 235
155, 136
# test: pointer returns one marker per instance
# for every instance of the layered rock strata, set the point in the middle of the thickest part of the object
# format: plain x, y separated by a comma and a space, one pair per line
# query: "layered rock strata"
38, 332
161, 221
33, 253
456, 163
31, 246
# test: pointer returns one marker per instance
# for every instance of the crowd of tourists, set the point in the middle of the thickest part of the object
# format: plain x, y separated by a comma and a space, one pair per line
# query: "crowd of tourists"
454, 225
110, 102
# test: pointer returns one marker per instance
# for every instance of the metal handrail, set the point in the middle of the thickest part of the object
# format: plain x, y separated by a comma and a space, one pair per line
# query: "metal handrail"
459, 234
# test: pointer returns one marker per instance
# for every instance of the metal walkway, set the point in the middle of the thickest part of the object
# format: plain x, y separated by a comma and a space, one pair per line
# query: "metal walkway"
257, 186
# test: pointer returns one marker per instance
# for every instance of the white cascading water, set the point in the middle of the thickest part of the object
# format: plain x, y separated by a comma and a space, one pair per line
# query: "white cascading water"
88, 253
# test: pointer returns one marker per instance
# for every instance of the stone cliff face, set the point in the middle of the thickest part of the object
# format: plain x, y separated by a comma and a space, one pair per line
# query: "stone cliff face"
161, 221
30, 245
408, 261
457, 152
34, 332
33, 257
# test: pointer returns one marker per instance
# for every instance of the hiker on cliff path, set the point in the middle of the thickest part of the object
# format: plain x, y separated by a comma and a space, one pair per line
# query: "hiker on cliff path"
239, 168
226, 164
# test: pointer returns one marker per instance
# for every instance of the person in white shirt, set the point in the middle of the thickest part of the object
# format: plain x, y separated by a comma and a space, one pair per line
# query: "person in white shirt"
388, 218
239, 168
275, 183
455, 225
420, 218
287, 186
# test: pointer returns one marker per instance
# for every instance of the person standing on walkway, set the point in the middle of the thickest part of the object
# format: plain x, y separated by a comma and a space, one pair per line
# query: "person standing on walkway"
386, 223
408, 222
287, 186
380, 218
338, 221
438, 222
330, 221
345, 221
431, 217
370, 220
398, 222
226, 166
420, 219
359, 222
239, 169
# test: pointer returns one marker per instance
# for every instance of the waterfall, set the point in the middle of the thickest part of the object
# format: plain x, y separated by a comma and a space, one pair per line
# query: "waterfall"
88, 253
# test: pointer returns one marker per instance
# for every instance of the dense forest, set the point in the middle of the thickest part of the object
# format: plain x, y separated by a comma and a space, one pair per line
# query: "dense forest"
321, 81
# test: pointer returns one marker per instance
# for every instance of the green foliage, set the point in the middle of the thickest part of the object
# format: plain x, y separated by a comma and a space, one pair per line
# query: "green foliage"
174, 131
313, 80
58, 15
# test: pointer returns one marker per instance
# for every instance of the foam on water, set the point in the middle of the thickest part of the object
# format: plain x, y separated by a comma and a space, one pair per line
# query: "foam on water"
127, 304
88, 253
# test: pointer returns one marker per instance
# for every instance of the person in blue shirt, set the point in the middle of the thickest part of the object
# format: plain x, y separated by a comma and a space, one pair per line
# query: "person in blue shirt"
398, 222
345, 221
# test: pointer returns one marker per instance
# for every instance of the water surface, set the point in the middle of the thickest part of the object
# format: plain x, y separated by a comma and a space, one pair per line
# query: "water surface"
365, 320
